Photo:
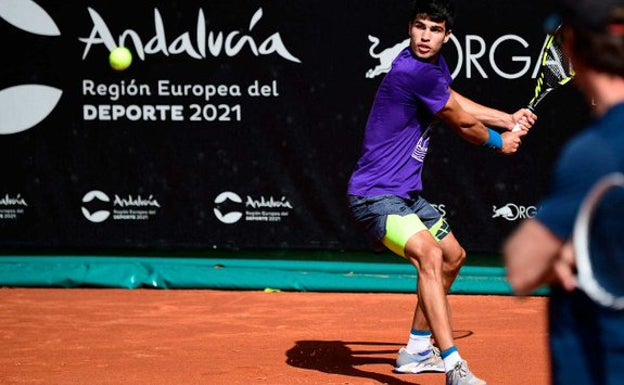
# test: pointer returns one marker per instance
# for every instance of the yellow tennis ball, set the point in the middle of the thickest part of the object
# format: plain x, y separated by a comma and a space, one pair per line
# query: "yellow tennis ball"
120, 58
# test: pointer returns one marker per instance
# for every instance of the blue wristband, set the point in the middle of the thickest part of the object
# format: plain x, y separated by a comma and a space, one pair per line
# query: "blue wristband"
495, 141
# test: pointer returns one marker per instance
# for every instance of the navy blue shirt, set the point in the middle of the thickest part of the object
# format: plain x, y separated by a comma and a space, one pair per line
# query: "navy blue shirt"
597, 151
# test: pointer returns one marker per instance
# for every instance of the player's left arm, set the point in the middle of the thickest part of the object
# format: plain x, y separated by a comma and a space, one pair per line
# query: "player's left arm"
493, 117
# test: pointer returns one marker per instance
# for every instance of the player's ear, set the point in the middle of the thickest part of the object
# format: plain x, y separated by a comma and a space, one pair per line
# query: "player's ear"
447, 36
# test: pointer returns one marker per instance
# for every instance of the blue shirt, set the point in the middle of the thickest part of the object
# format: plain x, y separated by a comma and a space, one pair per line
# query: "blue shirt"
396, 139
597, 151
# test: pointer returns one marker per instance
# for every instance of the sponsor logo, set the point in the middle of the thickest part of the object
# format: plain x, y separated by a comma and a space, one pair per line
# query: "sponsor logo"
8, 200
12, 206
26, 105
229, 217
420, 152
474, 55
198, 44
230, 208
97, 207
385, 56
441, 207
95, 216
28, 16
513, 212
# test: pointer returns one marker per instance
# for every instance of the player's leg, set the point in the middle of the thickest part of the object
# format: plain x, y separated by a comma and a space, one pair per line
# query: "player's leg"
390, 220
408, 237
438, 242
454, 257
399, 230
423, 251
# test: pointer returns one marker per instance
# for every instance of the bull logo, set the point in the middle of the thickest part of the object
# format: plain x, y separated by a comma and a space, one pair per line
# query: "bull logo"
513, 212
385, 57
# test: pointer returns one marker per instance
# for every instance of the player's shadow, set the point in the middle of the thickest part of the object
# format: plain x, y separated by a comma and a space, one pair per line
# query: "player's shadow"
352, 358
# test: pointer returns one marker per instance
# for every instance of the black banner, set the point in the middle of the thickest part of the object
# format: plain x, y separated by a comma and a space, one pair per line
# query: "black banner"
238, 123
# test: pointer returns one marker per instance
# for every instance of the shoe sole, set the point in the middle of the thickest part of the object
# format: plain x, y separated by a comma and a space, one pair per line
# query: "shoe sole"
403, 370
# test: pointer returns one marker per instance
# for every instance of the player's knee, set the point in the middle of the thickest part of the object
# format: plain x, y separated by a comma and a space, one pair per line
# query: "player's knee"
431, 264
456, 261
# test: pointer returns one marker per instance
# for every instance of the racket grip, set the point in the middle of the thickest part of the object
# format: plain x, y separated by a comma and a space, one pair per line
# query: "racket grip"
518, 127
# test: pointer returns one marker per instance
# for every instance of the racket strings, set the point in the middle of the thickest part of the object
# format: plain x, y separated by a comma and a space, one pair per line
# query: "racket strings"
557, 68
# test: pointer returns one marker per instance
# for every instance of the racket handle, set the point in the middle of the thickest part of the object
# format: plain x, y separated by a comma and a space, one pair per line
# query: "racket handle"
518, 127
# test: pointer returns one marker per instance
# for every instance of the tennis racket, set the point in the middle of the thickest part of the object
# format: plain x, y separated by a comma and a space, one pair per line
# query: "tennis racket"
555, 71
600, 263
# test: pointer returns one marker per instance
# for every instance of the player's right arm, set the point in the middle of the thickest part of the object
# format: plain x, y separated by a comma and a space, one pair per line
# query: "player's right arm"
524, 118
473, 130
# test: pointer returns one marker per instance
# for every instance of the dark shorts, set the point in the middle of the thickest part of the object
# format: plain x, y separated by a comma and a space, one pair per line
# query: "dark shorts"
390, 216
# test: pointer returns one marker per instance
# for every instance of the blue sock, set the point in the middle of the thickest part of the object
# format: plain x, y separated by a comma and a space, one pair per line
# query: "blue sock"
451, 357
419, 341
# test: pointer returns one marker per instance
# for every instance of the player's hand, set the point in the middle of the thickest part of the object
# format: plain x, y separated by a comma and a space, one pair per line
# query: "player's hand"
524, 119
511, 141
565, 267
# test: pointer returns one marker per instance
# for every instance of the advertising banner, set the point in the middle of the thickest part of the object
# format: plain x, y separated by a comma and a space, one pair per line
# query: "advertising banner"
238, 123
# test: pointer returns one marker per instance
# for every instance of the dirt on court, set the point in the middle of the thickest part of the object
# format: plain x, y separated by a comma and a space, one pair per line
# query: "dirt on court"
164, 337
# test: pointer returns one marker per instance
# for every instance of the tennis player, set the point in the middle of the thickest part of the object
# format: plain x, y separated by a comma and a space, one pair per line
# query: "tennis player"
586, 340
385, 187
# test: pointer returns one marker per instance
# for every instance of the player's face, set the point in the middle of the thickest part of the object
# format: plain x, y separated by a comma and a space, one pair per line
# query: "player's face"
427, 38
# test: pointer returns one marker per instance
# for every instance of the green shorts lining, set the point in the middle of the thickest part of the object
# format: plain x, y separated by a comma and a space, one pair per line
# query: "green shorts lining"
399, 229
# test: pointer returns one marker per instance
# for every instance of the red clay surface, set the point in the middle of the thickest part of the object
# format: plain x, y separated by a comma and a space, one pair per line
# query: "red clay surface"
158, 337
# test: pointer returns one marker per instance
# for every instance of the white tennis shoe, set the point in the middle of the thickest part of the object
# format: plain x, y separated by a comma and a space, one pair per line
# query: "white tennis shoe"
425, 361
461, 375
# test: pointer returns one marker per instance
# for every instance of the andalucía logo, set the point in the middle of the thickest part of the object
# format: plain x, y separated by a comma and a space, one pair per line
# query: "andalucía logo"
95, 215
97, 207
230, 208
24, 106
227, 217
12, 207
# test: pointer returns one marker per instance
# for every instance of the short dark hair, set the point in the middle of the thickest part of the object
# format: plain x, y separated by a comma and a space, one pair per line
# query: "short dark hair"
601, 51
435, 10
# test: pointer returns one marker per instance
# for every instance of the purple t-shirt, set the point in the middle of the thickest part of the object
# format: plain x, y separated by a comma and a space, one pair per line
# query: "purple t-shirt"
397, 132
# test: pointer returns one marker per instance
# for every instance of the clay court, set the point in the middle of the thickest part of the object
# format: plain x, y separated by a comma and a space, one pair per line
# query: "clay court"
158, 337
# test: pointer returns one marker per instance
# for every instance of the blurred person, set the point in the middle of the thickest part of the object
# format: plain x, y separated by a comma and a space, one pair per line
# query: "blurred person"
586, 339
